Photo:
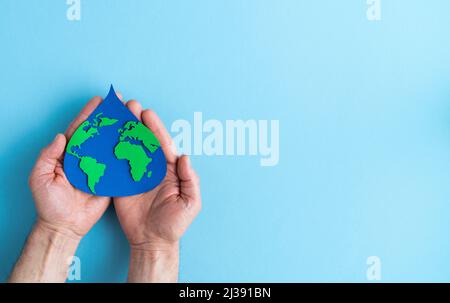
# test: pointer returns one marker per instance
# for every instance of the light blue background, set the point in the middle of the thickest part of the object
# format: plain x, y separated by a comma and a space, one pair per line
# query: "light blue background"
364, 110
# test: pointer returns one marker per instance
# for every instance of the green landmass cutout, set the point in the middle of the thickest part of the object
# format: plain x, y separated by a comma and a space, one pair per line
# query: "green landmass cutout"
90, 166
93, 169
80, 136
135, 154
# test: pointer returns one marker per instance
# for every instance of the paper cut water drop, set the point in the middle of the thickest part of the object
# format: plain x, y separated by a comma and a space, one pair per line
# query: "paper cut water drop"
113, 154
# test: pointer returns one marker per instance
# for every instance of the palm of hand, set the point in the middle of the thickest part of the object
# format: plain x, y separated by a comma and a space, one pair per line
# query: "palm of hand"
58, 203
162, 215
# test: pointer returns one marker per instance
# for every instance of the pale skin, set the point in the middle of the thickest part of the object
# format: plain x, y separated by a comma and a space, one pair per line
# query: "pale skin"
153, 222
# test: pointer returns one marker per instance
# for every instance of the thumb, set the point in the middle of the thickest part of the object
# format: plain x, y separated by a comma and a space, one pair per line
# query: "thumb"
50, 156
189, 183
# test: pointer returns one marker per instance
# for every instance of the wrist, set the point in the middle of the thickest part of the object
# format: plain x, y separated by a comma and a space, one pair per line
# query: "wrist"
57, 232
154, 262
155, 247
46, 255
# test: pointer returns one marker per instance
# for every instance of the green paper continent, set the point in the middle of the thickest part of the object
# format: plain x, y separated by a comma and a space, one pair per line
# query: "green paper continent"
93, 169
135, 154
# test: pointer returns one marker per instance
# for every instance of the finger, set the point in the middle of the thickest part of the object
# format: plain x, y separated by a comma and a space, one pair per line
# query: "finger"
50, 156
120, 96
152, 121
135, 107
189, 183
83, 115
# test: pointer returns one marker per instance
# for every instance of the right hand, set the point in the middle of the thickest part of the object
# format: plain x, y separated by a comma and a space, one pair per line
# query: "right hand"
156, 220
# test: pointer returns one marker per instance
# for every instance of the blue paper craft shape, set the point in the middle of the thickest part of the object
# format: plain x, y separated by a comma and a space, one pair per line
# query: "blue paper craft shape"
113, 154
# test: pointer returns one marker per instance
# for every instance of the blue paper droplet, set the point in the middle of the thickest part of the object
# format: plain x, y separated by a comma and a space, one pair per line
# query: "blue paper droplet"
117, 180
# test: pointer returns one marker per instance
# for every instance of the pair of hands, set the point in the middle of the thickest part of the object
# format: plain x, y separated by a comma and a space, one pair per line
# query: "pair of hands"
153, 222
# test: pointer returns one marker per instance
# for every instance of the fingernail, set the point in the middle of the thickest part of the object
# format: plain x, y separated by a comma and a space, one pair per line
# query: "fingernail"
57, 136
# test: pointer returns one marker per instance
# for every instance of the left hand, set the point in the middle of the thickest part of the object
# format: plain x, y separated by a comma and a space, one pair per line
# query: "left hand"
60, 206
65, 214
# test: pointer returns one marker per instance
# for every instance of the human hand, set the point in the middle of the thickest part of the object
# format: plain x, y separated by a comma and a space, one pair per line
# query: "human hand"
65, 214
61, 207
155, 221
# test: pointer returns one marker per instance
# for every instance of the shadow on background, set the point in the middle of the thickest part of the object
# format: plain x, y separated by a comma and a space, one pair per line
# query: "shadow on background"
20, 214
